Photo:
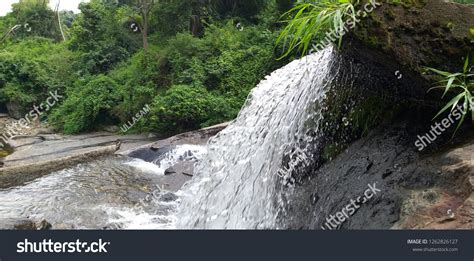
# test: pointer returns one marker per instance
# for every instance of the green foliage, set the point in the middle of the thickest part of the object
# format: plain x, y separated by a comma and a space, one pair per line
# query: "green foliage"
35, 19
471, 32
225, 59
309, 22
223, 65
87, 106
31, 68
138, 83
232, 8
99, 39
184, 107
106, 76
462, 84
166, 11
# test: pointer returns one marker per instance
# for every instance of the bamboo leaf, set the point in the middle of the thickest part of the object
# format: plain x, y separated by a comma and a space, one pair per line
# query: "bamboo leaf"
453, 103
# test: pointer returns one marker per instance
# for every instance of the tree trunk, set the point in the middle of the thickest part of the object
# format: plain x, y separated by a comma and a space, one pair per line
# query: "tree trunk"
196, 27
145, 31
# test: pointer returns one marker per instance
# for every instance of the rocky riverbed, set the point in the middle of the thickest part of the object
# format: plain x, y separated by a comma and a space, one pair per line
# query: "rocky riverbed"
48, 172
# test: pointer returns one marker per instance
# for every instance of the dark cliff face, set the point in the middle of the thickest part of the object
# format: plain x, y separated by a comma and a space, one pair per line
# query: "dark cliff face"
413, 190
376, 107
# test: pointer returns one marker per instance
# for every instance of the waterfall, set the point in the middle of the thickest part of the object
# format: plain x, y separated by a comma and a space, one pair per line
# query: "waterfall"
239, 184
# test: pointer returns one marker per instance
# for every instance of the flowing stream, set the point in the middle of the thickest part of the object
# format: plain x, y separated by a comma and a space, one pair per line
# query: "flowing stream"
110, 193
238, 182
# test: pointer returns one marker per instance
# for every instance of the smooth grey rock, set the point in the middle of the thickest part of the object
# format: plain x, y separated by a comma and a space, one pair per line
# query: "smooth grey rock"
43, 131
35, 156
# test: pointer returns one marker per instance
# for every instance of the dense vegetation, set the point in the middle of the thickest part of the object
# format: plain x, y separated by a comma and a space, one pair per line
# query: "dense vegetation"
194, 62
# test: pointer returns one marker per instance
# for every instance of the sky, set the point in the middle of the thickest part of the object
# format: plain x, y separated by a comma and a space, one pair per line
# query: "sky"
5, 5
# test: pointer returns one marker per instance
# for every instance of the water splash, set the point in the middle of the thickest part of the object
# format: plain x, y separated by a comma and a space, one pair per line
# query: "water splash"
237, 184
186, 152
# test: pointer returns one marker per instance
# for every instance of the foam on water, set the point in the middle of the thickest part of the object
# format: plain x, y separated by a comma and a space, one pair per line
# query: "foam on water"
185, 152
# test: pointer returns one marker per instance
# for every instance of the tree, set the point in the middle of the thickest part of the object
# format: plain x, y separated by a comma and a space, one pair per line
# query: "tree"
243, 8
102, 41
141, 18
33, 18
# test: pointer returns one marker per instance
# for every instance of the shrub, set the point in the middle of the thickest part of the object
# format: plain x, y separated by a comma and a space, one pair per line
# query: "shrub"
138, 84
87, 106
184, 107
225, 60
31, 68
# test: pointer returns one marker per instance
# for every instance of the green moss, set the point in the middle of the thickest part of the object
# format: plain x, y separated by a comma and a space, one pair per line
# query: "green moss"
332, 150
371, 40
345, 124
370, 113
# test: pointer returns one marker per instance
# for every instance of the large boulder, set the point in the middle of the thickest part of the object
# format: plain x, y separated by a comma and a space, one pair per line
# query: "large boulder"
433, 33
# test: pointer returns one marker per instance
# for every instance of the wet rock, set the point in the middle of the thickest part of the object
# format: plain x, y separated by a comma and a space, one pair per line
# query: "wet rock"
173, 182
433, 190
168, 197
149, 154
169, 171
184, 168
151, 151
20, 141
421, 33
44, 225
24, 224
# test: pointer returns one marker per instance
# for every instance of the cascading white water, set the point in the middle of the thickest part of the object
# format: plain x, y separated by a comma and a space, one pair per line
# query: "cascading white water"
235, 185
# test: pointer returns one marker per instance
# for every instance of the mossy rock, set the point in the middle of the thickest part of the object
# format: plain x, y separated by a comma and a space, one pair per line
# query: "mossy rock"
415, 34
